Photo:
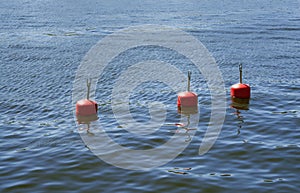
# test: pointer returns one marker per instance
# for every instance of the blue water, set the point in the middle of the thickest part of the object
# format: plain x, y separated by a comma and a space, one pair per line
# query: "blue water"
42, 44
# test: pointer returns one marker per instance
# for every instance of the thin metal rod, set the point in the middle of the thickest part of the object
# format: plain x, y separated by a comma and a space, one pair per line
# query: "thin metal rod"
189, 81
88, 83
240, 67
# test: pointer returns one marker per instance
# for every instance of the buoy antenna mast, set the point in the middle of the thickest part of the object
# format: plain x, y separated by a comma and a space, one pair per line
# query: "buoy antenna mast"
241, 71
189, 81
88, 84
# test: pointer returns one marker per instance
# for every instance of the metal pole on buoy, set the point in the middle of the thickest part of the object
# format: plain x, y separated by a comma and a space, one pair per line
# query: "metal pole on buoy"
187, 102
241, 72
189, 81
86, 109
88, 84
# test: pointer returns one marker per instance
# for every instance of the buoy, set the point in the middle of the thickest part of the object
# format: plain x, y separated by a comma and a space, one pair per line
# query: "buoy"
240, 90
187, 102
86, 109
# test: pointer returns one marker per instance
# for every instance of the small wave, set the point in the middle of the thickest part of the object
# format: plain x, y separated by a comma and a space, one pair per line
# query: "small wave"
284, 29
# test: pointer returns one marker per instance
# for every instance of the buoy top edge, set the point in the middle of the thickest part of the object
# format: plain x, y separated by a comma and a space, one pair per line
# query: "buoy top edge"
85, 102
240, 85
187, 93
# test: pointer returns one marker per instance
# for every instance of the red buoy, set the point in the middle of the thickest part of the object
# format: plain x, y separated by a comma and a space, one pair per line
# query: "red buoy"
86, 109
240, 90
187, 99
187, 102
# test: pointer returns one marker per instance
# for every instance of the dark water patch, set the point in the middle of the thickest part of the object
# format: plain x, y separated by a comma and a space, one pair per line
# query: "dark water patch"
49, 142
25, 58
29, 47
295, 38
225, 175
284, 29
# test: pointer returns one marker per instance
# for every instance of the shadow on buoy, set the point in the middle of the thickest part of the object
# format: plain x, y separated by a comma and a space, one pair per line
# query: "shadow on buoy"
240, 104
86, 109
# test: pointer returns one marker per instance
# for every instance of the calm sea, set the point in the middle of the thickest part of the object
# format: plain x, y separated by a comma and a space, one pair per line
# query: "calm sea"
42, 43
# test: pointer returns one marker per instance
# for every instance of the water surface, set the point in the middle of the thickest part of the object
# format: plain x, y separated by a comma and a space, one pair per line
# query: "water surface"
43, 43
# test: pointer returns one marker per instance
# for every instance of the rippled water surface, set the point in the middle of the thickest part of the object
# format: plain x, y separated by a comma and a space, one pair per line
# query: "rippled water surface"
42, 44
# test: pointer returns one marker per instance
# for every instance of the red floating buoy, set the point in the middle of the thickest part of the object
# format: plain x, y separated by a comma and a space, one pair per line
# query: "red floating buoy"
187, 99
86, 109
187, 102
240, 90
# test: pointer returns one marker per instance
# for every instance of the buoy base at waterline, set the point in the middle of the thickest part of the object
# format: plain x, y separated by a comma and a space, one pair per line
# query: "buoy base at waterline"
187, 110
86, 119
240, 104
240, 90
